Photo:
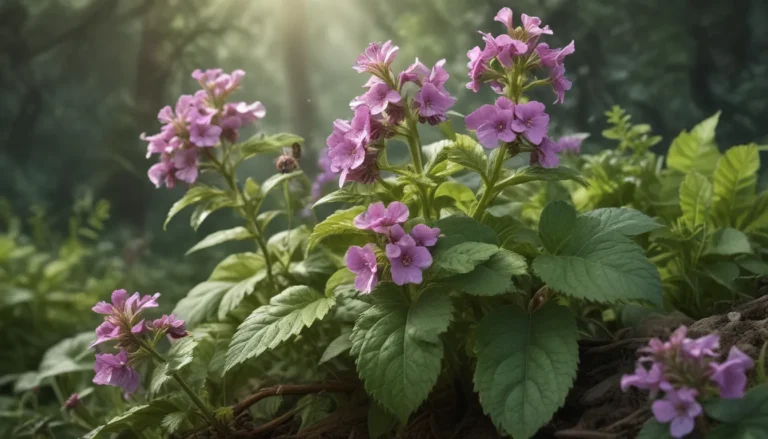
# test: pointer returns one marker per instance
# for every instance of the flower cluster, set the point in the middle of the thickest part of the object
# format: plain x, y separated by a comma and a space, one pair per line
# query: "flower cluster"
519, 49
407, 252
123, 323
684, 370
380, 112
198, 121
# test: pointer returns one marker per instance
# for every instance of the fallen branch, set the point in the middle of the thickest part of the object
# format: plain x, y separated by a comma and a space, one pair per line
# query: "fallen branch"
584, 434
267, 427
291, 389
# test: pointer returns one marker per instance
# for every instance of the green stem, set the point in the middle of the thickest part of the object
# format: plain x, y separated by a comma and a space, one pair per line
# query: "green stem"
414, 146
498, 165
184, 386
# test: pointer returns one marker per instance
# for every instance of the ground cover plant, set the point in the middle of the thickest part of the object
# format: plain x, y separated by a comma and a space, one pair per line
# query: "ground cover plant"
477, 267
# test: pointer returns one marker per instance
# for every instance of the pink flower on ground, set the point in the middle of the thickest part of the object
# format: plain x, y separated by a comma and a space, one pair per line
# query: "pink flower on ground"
362, 262
407, 261
113, 370
679, 409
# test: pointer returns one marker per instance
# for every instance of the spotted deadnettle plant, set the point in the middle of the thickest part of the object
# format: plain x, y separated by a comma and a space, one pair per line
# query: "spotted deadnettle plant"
684, 371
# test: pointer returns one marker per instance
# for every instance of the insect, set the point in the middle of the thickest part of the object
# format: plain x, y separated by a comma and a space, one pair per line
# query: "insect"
286, 163
296, 151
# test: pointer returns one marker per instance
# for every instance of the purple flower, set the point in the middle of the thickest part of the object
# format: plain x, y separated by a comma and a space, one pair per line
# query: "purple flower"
432, 102
362, 262
204, 135
552, 58
679, 409
206, 78
175, 328
73, 401
415, 73
378, 97
346, 156
478, 65
424, 235
730, 376
376, 58
117, 305
504, 16
108, 330
534, 121
407, 261
327, 175
368, 172
703, 346
493, 123
113, 370
508, 49
121, 316
643, 378
163, 172
249, 112
185, 163
531, 26
379, 218
560, 83
545, 154
571, 143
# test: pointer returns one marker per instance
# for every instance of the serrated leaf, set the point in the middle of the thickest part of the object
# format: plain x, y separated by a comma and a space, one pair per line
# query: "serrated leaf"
705, 130
468, 153
264, 144
461, 194
690, 153
172, 421
525, 365
340, 223
342, 276
728, 242
463, 257
181, 354
735, 183
140, 417
492, 277
216, 238
237, 267
597, 265
192, 196
286, 315
272, 182
235, 295
514, 235
209, 206
461, 228
398, 347
555, 224
696, 199
353, 193
536, 173
336, 347
628, 222
202, 301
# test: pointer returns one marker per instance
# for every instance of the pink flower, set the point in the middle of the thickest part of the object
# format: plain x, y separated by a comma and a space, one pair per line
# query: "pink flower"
376, 58
494, 123
368, 172
362, 262
163, 172
478, 64
346, 156
508, 49
407, 261
105, 332
533, 121
432, 102
643, 378
552, 58
185, 163
504, 16
531, 26
378, 97
679, 409
113, 370
571, 143
122, 315
730, 376
424, 235
175, 328
204, 135
545, 154
560, 84
379, 218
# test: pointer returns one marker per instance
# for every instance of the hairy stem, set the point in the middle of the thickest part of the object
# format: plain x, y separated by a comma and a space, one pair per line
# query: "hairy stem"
498, 165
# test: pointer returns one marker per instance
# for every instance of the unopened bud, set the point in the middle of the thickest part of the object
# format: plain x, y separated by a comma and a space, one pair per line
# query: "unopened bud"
73, 401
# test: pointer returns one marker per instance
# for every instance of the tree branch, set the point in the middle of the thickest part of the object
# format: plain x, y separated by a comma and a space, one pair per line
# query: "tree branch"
292, 389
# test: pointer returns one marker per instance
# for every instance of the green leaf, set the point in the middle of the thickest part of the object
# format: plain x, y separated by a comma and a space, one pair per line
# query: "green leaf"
342, 276
537, 173
67, 356
265, 218
696, 199
398, 347
286, 315
514, 235
722, 272
202, 301
463, 257
525, 365
597, 265
275, 180
263, 144
380, 421
340, 223
757, 217
140, 417
209, 206
735, 183
628, 222
181, 354
652, 429
313, 409
741, 418
193, 195
689, 153
728, 242
216, 238
460, 193
492, 277
235, 295
237, 267
173, 421
353, 193
336, 347
704, 131
468, 153
753, 264
555, 224
458, 228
